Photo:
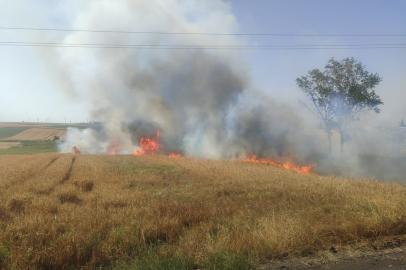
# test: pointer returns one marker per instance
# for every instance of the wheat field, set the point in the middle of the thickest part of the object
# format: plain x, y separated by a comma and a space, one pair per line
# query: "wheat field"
63, 211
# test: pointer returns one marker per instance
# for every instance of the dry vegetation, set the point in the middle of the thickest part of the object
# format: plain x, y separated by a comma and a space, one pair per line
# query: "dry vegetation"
154, 212
7, 145
39, 134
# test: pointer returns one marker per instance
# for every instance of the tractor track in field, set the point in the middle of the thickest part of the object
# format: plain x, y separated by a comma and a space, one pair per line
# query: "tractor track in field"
30, 174
49, 164
33, 174
68, 172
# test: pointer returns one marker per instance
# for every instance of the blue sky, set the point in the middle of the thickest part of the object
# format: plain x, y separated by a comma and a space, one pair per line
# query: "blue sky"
29, 91
276, 70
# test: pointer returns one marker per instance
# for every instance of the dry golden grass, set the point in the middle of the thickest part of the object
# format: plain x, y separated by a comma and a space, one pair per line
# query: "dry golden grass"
60, 211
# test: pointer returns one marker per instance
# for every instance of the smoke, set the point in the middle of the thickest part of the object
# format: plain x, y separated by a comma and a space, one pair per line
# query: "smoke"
200, 100
90, 141
389, 169
372, 152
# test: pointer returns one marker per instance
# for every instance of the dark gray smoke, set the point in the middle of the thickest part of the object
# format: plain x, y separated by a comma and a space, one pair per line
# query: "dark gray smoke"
201, 100
139, 129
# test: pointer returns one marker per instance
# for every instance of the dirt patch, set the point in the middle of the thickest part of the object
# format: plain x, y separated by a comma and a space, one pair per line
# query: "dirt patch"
39, 134
6, 145
389, 254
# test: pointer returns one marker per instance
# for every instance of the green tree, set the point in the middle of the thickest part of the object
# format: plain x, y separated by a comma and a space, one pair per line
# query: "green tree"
347, 89
319, 92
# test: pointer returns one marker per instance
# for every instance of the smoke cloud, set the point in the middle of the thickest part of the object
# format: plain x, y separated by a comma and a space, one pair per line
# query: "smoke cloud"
202, 101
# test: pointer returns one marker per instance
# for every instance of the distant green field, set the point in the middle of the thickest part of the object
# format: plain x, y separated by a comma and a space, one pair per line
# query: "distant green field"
30, 147
7, 132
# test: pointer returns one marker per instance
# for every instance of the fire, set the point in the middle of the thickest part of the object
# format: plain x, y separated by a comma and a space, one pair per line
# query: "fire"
113, 149
288, 164
76, 150
149, 145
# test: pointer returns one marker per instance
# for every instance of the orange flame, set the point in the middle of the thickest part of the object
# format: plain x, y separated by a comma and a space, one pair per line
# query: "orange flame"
113, 149
288, 164
76, 151
149, 145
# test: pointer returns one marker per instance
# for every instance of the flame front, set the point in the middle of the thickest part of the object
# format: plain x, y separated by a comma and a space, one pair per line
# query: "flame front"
113, 148
76, 151
288, 164
149, 145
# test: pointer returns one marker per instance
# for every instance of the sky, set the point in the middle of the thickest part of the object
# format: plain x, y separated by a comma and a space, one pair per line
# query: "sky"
31, 91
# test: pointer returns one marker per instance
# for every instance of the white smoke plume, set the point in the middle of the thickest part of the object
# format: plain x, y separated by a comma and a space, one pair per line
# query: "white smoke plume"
201, 100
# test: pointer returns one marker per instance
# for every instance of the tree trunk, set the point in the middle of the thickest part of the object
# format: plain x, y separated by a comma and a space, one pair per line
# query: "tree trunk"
329, 142
342, 140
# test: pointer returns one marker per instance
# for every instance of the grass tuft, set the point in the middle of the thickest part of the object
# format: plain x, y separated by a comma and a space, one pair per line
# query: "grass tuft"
17, 205
84, 185
68, 194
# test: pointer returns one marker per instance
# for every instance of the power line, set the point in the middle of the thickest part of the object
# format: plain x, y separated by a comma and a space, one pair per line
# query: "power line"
196, 47
201, 33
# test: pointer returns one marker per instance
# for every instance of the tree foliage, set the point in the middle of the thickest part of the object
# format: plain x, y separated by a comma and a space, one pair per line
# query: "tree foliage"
339, 93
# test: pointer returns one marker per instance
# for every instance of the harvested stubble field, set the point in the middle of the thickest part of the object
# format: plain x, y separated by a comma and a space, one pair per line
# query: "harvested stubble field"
39, 134
60, 211
7, 132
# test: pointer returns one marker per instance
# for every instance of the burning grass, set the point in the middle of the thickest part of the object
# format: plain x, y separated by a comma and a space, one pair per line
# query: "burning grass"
155, 212
151, 145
